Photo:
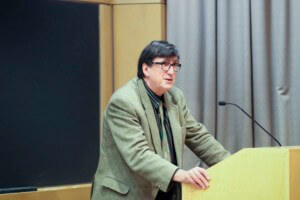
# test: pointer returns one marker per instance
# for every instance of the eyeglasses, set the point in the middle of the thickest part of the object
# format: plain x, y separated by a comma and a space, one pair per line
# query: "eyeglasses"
166, 66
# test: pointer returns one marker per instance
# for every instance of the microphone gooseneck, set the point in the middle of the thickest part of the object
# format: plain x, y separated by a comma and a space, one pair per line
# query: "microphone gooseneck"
223, 103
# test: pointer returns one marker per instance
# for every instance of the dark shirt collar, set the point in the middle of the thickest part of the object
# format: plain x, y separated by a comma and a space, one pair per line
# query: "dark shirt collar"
154, 98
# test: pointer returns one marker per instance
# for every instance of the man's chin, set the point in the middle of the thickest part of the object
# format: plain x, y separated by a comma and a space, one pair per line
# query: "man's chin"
168, 87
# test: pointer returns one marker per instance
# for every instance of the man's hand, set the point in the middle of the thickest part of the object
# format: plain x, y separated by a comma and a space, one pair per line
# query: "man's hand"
196, 176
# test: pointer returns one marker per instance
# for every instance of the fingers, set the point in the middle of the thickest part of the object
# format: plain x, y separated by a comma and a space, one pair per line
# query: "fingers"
199, 177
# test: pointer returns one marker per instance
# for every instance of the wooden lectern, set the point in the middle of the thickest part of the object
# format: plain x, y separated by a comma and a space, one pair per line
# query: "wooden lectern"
253, 174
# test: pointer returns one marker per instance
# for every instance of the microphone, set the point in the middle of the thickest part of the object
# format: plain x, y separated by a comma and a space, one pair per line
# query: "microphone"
224, 103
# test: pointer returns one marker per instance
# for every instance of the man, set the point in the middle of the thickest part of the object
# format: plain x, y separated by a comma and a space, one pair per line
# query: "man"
145, 127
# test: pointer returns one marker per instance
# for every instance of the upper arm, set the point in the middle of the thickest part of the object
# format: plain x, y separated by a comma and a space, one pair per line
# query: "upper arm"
199, 140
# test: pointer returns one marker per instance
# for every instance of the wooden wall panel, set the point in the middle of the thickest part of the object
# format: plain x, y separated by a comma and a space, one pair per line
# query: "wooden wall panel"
75, 192
135, 25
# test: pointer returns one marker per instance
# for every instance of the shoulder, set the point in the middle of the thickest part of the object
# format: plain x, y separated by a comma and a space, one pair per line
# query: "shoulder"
127, 92
126, 96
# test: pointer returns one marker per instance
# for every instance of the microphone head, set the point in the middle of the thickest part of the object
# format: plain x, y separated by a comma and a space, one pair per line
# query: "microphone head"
222, 103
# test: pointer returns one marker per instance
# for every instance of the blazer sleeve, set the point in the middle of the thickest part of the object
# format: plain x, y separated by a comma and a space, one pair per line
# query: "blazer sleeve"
199, 140
128, 135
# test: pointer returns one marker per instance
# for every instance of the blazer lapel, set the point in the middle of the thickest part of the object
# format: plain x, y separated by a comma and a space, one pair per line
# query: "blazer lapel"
150, 116
175, 126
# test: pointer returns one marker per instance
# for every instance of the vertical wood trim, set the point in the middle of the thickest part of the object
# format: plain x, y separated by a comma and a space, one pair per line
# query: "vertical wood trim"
163, 20
106, 58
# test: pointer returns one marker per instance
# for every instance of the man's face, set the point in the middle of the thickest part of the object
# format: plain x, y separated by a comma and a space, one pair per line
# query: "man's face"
158, 79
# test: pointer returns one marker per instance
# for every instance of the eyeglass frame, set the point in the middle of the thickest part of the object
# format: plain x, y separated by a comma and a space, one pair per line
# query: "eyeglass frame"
166, 66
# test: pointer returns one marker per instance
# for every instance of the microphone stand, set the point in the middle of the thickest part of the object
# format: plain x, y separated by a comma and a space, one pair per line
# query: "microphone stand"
223, 103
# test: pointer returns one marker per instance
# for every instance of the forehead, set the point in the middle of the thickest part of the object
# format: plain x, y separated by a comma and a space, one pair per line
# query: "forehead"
168, 59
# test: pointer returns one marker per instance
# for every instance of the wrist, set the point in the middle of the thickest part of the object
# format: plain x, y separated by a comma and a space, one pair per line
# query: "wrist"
179, 176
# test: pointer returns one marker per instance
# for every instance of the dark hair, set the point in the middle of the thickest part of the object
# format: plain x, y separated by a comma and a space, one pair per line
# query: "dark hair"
153, 50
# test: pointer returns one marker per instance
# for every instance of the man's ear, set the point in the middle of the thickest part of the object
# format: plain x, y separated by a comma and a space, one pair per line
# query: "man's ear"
145, 68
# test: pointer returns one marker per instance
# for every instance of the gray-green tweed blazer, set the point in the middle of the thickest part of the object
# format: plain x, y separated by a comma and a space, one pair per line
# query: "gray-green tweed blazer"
130, 165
